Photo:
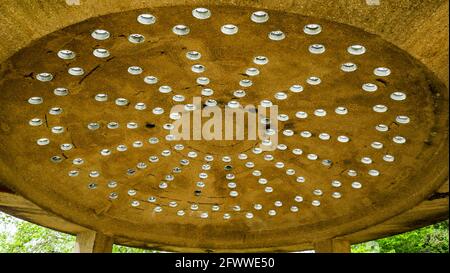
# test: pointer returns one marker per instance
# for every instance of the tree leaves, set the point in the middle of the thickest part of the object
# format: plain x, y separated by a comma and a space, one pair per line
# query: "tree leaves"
18, 236
430, 239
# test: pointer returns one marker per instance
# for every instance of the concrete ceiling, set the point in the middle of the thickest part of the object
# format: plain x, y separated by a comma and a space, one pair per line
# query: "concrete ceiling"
388, 188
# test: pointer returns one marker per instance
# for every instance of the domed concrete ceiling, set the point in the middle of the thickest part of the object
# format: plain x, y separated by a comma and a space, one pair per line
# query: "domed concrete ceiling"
358, 135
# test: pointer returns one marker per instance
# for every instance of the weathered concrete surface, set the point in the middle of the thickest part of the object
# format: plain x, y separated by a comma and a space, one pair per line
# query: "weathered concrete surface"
419, 27
404, 26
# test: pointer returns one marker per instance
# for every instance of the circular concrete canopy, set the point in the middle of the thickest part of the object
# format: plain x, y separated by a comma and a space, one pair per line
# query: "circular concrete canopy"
365, 136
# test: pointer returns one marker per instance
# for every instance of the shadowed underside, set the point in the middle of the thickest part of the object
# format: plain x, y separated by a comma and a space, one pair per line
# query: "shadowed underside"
362, 135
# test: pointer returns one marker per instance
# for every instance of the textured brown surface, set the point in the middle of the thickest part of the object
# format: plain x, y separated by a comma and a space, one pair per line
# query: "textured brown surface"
401, 22
381, 198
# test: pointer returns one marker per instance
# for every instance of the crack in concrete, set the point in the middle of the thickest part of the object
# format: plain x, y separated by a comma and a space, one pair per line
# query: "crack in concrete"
89, 73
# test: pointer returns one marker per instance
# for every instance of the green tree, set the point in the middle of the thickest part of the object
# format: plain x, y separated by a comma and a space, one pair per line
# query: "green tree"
125, 249
430, 239
18, 236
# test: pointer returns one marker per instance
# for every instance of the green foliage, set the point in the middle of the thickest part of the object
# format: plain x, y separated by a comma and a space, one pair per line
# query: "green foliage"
430, 239
125, 249
18, 236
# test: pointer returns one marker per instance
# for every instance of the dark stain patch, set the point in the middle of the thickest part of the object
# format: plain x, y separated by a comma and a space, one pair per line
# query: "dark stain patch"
46, 120
434, 130
433, 88
393, 125
428, 142
289, 125
149, 125
383, 82
30, 75
438, 195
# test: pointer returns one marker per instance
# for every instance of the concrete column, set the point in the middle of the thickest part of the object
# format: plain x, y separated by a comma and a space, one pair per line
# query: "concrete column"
93, 242
332, 246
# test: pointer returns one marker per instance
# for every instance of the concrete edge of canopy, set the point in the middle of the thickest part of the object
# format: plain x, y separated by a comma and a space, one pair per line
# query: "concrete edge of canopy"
407, 30
429, 211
